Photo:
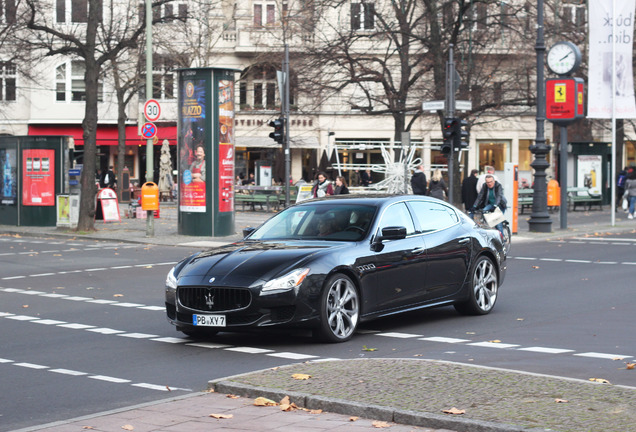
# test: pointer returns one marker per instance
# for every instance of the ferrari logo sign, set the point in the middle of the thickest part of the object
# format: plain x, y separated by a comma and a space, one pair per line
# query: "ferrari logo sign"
560, 92
564, 100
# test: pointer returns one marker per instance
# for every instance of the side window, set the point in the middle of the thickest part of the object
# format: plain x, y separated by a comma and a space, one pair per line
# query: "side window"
397, 215
433, 216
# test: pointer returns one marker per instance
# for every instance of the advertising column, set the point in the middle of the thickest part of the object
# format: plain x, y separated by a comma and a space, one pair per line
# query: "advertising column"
206, 151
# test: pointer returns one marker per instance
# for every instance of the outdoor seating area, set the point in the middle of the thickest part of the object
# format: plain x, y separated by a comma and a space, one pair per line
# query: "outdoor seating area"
577, 197
273, 197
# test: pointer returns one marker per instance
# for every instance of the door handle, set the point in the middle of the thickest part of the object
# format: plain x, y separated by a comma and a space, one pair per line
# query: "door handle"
464, 240
418, 251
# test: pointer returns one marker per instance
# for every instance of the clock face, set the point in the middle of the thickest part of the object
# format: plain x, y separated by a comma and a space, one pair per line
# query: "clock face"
564, 58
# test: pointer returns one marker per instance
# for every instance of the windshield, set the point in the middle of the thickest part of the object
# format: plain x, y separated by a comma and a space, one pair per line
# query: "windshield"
344, 222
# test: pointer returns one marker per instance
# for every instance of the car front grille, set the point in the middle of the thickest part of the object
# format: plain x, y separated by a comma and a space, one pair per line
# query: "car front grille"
214, 299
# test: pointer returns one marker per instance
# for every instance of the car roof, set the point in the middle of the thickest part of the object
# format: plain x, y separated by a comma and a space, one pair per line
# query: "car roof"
375, 200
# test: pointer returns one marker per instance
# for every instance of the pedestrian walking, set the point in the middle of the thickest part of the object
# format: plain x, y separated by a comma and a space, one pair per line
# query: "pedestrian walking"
418, 181
108, 178
469, 190
630, 193
620, 186
437, 186
341, 186
322, 187
365, 178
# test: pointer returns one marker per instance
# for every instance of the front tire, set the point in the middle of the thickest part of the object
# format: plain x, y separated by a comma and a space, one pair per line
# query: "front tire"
484, 287
339, 309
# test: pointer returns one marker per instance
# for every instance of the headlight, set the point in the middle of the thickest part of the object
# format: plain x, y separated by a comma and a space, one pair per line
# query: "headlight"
171, 280
289, 281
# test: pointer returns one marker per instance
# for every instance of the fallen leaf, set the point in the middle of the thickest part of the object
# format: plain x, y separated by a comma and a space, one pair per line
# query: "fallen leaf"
315, 411
25, 306
118, 295
454, 411
600, 380
520, 319
231, 396
618, 358
364, 348
352, 419
221, 416
380, 424
261, 401
495, 341
418, 355
299, 376
535, 267
127, 427
561, 400
168, 388
88, 427
630, 366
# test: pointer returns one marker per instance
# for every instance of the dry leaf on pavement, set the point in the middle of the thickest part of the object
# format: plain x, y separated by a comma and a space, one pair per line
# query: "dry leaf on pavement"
630, 366
315, 411
600, 380
128, 427
352, 419
118, 295
561, 400
364, 348
231, 396
286, 405
299, 376
261, 401
88, 427
221, 416
380, 424
454, 411
495, 341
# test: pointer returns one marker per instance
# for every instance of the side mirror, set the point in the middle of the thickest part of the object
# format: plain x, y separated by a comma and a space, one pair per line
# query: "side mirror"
388, 233
247, 231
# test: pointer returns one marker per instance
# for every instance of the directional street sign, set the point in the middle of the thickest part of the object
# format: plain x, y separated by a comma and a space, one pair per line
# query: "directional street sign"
152, 110
148, 130
433, 105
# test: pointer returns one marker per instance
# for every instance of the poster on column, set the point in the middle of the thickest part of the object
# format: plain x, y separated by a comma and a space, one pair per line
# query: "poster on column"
192, 163
8, 180
38, 177
589, 173
226, 146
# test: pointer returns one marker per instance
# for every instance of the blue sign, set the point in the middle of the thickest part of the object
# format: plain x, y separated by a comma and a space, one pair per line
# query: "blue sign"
74, 172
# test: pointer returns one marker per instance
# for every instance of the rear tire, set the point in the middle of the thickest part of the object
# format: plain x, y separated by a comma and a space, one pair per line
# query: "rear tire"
484, 287
339, 309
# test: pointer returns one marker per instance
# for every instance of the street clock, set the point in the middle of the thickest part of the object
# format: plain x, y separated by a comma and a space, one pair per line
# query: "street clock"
564, 58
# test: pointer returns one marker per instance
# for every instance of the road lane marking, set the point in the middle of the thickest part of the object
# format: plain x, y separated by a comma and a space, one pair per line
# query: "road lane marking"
138, 335
292, 356
603, 356
399, 335
68, 372
109, 379
249, 350
445, 339
150, 265
546, 350
498, 345
31, 365
208, 345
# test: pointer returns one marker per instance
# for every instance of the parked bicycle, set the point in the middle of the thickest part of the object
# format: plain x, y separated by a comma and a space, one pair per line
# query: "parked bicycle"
506, 237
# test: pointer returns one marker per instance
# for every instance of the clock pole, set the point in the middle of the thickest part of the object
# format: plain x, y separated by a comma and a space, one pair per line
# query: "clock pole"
540, 219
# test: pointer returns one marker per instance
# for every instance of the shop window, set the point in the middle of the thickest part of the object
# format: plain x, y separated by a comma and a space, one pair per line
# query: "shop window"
69, 83
494, 153
7, 81
362, 15
74, 11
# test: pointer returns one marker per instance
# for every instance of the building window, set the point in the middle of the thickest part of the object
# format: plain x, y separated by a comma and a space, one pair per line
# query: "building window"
264, 14
7, 81
7, 12
480, 16
258, 88
74, 11
574, 17
362, 15
163, 79
70, 85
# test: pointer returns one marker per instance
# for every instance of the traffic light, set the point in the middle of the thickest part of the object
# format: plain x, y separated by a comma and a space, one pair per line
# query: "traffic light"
460, 136
448, 133
279, 129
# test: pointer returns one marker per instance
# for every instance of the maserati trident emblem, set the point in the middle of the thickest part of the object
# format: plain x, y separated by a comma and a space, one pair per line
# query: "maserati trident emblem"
209, 300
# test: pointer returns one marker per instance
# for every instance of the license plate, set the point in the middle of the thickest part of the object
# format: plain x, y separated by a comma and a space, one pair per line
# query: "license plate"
208, 320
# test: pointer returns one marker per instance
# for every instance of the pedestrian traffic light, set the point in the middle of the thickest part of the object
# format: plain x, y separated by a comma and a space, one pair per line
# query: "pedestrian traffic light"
460, 136
279, 129
447, 133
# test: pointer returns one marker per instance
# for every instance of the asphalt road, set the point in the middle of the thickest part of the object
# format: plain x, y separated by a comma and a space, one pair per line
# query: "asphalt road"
82, 326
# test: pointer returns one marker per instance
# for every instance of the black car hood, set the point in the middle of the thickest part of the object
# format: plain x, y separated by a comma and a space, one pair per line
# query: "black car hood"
247, 263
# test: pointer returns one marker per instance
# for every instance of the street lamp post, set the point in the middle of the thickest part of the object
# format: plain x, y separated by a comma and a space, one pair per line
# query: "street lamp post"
150, 221
540, 219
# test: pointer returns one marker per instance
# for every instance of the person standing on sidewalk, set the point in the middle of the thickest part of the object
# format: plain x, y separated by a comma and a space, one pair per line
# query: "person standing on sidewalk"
418, 181
341, 186
469, 191
437, 187
630, 193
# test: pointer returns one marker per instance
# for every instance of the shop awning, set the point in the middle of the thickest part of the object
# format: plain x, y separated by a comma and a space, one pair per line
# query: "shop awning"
266, 142
106, 134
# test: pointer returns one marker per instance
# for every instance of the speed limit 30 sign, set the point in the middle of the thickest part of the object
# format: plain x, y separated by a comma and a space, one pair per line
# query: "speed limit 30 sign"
152, 110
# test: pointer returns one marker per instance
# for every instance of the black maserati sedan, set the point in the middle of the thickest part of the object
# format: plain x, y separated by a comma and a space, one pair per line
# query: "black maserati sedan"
329, 264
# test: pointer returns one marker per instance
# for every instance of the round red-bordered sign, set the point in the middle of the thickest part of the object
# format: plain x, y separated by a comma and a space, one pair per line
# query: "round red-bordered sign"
152, 110
148, 130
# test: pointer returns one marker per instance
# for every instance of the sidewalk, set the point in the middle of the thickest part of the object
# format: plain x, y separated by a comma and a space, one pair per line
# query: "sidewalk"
369, 394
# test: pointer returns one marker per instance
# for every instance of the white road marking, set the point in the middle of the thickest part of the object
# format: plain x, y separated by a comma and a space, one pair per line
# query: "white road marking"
445, 339
109, 379
105, 330
76, 326
173, 340
249, 350
399, 335
292, 356
68, 372
138, 335
204, 344
49, 322
603, 356
493, 345
31, 365
22, 318
546, 350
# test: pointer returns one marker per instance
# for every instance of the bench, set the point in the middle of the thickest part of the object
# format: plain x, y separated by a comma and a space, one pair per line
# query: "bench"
582, 196
524, 198
272, 200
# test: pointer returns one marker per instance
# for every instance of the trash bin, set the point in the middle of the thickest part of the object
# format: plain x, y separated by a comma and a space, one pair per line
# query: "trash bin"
149, 196
554, 193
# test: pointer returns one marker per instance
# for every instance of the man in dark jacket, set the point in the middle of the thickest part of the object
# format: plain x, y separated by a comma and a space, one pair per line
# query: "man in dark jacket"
418, 181
490, 196
108, 178
469, 190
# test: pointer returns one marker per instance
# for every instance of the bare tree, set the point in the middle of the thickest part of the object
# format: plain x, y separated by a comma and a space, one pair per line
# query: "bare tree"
106, 28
